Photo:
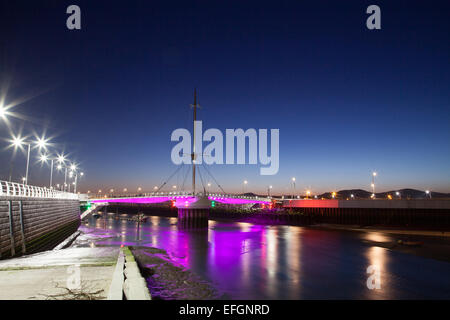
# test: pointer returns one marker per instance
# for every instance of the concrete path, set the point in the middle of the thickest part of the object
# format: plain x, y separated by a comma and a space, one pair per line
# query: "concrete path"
73, 273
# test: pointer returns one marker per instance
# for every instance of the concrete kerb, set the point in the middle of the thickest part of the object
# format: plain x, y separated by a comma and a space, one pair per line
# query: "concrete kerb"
116, 287
135, 286
127, 279
67, 241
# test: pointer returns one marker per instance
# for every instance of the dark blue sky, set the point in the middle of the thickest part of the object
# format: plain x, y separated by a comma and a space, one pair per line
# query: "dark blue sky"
347, 100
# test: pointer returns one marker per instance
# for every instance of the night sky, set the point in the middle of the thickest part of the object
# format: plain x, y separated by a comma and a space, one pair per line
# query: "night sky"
347, 100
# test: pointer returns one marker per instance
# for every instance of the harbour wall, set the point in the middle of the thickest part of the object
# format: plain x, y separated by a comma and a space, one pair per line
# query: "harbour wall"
29, 225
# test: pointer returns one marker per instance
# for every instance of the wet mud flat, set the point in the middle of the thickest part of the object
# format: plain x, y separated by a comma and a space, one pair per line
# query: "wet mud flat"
427, 244
426, 247
168, 281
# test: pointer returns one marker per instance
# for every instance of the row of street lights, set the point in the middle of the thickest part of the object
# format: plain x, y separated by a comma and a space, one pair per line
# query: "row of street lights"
70, 169
41, 144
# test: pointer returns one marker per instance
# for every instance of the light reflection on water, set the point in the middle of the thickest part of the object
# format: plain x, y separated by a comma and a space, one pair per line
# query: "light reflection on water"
248, 261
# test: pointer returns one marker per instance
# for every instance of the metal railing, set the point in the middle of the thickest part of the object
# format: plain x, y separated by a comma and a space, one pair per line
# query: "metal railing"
13, 189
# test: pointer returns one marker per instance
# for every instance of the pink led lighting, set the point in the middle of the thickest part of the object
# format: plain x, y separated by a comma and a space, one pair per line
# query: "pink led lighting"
180, 201
237, 200
145, 200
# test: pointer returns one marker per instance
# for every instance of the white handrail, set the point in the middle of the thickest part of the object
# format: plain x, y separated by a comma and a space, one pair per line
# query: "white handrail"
12, 189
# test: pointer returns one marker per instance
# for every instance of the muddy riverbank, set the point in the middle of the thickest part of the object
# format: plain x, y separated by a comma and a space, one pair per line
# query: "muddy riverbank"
167, 281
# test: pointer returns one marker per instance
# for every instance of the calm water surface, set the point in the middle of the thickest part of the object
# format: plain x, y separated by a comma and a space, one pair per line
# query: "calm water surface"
248, 261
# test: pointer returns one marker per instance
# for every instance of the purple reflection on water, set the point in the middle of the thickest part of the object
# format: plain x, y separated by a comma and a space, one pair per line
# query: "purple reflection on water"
248, 261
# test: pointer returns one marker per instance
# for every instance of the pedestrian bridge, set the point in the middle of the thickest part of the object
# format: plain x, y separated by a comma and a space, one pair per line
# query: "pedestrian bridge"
183, 199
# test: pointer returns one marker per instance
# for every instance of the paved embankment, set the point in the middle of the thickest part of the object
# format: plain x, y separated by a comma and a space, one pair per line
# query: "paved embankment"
73, 273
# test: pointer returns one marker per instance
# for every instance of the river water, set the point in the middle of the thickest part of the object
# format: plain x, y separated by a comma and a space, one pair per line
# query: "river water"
248, 261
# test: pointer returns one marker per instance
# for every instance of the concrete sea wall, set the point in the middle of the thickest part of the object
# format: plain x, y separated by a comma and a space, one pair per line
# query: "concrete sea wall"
29, 225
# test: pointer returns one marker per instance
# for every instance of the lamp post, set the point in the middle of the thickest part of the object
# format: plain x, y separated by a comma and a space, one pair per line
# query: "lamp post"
374, 174
293, 187
76, 180
268, 191
18, 142
60, 159
243, 186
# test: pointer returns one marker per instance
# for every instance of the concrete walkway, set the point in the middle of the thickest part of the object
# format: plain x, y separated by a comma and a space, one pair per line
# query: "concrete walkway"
73, 273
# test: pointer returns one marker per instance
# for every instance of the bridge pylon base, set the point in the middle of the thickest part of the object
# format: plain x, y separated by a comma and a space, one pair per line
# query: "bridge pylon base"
193, 218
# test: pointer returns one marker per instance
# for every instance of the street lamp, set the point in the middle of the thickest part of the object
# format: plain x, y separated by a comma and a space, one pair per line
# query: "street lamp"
18, 142
76, 180
72, 173
60, 159
41, 143
2, 112
244, 185
374, 174
428, 193
308, 193
293, 187
398, 194
268, 191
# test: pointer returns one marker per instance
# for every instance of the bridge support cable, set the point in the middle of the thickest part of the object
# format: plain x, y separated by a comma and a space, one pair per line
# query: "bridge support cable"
206, 169
185, 177
170, 177
201, 179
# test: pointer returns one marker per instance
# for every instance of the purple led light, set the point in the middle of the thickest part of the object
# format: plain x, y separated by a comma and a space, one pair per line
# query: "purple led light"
144, 200
181, 201
184, 202
236, 200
